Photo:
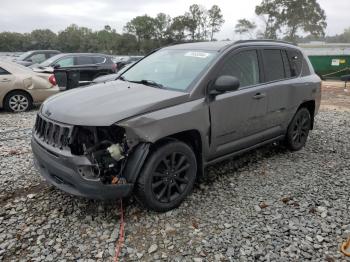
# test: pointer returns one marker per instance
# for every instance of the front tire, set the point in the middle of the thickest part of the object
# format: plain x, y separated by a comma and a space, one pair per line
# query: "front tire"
299, 129
18, 101
167, 177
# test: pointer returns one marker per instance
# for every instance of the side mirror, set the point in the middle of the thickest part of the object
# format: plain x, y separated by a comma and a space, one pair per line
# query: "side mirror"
224, 84
56, 66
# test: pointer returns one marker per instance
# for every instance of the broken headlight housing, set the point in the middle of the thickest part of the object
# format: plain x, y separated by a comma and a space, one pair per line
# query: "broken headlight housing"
105, 147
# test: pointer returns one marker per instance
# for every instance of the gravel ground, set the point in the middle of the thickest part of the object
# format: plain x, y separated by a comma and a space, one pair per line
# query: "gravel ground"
267, 205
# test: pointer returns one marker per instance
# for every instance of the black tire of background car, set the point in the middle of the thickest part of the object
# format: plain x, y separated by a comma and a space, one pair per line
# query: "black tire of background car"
298, 129
145, 194
17, 92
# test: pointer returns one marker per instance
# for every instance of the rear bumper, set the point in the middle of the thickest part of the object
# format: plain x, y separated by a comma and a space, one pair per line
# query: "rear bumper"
62, 172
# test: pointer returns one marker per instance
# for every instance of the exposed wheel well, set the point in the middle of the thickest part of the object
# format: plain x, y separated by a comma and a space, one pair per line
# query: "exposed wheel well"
309, 105
191, 138
19, 91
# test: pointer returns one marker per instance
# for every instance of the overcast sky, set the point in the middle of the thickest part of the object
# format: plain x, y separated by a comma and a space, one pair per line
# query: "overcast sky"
26, 15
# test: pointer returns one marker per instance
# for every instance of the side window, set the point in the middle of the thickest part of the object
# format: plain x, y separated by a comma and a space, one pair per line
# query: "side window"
65, 62
37, 58
84, 60
273, 64
48, 55
98, 59
3, 72
296, 61
244, 66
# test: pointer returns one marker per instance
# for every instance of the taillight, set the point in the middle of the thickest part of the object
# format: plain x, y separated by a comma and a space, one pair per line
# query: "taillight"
114, 67
52, 80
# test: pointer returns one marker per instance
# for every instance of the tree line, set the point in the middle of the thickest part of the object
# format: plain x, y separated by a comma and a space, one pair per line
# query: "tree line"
299, 21
295, 21
285, 19
140, 35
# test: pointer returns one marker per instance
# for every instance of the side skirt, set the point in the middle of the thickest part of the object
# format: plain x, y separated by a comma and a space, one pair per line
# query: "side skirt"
239, 152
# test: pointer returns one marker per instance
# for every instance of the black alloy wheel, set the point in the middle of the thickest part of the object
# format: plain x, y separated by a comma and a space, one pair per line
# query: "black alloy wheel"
299, 129
171, 177
167, 177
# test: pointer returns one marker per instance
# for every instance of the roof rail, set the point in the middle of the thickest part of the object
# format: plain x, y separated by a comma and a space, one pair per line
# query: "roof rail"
263, 40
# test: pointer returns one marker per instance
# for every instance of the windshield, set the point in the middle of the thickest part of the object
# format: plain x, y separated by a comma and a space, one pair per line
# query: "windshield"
49, 61
170, 69
23, 56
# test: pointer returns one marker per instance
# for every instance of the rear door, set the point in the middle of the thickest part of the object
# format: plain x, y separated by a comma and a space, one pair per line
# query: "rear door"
237, 118
280, 75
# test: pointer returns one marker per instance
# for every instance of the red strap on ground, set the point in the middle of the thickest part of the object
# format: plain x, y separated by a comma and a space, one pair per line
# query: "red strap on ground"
120, 242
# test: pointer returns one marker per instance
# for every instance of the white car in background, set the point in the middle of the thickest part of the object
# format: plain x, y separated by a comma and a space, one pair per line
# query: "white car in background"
21, 87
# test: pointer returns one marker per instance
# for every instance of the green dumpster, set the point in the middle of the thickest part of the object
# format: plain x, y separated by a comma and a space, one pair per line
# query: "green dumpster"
330, 66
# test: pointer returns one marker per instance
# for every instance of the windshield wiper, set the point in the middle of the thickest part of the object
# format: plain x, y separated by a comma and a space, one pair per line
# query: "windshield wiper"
122, 78
149, 83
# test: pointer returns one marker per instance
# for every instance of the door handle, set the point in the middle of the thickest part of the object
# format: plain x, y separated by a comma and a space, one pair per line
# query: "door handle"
259, 95
5, 80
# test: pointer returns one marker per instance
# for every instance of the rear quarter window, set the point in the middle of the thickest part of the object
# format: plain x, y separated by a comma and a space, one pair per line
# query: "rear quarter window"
296, 61
99, 59
305, 70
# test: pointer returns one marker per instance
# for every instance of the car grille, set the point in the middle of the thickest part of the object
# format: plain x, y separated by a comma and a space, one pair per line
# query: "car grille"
52, 133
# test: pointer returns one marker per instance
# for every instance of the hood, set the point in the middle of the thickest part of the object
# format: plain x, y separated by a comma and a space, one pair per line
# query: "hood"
105, 104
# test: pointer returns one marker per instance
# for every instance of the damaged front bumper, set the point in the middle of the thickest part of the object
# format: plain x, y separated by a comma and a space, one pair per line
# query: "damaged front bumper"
74, 160
62, 172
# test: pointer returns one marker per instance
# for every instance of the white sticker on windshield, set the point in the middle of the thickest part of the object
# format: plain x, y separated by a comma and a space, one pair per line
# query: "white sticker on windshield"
197, 54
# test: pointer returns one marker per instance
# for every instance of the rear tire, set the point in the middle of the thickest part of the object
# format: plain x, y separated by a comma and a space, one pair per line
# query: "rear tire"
167, 177
298, 129
18, 101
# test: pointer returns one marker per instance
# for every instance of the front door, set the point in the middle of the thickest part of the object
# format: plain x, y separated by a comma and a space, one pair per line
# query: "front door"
237, 117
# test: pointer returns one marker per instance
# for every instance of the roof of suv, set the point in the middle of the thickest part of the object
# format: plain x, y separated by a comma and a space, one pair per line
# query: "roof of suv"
219, 45
44, 51
78, 54
82, 54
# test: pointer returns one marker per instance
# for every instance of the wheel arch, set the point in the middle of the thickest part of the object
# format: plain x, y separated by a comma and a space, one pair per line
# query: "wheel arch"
309, 105
193, 139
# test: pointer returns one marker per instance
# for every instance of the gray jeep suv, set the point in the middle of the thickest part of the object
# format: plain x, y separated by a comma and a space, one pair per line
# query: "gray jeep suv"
182, 107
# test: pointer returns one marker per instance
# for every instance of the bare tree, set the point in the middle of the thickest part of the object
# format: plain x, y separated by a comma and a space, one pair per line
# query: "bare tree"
215, 20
